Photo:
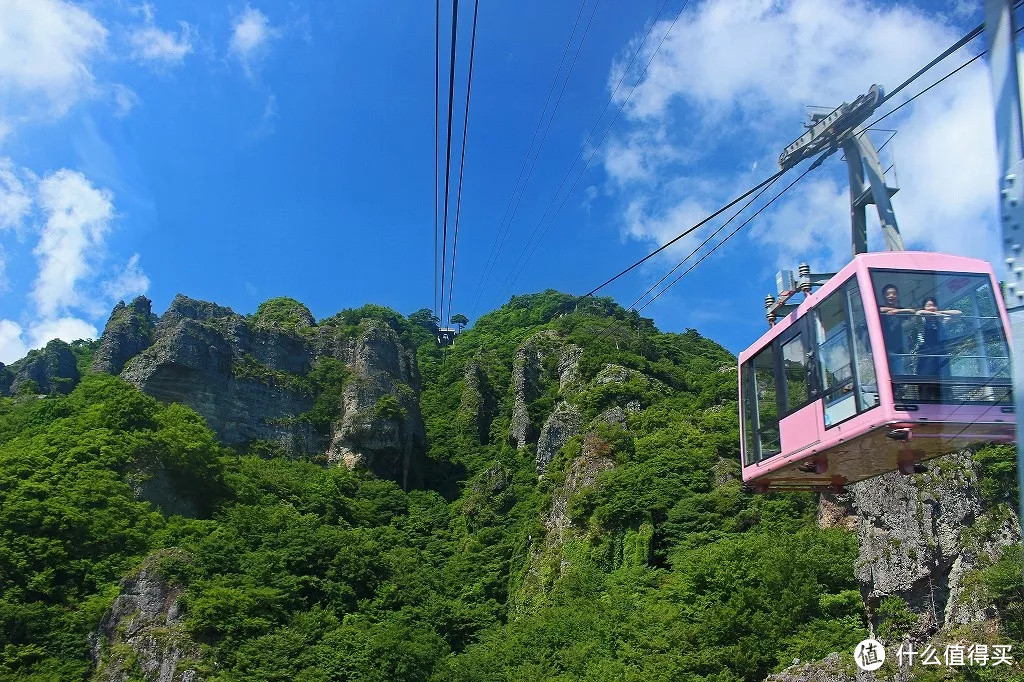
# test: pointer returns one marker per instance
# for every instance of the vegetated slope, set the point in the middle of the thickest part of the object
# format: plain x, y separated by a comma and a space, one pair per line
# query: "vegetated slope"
633, 555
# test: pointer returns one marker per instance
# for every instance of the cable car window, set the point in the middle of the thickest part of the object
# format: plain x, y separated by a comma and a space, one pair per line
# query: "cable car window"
794, 365
835, 359
865, 378
765, 400
749, 399
943, 336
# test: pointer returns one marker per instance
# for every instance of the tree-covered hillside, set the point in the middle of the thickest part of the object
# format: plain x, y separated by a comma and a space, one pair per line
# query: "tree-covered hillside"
630, 553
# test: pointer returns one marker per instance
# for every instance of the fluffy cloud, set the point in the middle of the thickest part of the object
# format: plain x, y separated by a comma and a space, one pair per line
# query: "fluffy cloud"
46, 52
11, 345
130, 281
250, 35
64, 328
15, 201
733, 107
154, 45
77, 218
73, 218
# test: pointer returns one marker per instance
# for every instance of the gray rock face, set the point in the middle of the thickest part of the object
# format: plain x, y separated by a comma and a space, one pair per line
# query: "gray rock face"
381, 428
594, 458
561, 425
569, 368
128, 332
145, 619
251, 383
206, 357
831, 669
479, 403
526, 384
917, 540
52, 369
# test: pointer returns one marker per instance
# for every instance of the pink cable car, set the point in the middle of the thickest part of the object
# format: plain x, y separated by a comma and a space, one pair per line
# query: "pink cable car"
899, 357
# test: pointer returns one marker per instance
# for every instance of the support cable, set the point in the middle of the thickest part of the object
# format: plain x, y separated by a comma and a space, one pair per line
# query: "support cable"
730, 235
437, 161
448, 153
505, 225
513, 275
687, 231
692, 253
703, 243
462, 160
502, 231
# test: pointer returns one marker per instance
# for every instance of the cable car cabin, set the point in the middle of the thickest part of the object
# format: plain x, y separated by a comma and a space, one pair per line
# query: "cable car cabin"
898, 358
446, 336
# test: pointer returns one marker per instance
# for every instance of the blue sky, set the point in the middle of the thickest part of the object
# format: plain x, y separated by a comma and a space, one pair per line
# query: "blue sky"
244, 151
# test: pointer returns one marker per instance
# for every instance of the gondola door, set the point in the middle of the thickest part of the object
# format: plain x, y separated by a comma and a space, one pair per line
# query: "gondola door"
798, 388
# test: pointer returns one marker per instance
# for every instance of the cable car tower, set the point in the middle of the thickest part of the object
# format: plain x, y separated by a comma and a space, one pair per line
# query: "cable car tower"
842, 128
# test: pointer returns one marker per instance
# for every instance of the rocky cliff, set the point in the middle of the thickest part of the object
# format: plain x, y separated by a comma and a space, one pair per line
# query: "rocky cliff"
51, 369
128, 332
349, 393
142, 635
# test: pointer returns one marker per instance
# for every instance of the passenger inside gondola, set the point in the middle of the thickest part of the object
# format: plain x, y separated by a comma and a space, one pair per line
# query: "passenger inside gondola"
894, 324
932, 356
954, 354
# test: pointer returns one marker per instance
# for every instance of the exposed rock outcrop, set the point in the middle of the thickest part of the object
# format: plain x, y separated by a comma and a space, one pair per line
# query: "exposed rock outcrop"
142, 635
831, 669
128, 332
527, 370
569, 368
51, 369
251, 381
245, 382
921, 535
381, 428
594, 458
561, 425
479, 403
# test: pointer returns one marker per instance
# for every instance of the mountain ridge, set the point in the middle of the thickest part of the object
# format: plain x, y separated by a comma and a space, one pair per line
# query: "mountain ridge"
575, 490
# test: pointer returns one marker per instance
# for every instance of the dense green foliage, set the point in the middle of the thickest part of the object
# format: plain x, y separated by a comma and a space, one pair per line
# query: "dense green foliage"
283, 313
295, 571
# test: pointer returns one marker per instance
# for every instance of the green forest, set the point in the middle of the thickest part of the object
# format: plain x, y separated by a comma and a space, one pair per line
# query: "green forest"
295, 570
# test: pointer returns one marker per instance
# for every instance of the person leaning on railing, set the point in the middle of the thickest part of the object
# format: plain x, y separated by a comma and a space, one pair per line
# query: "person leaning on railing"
893, 327
930, 351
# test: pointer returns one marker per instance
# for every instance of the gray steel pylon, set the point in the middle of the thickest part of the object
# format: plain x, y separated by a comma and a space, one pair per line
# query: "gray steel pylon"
1003, 65
863, 164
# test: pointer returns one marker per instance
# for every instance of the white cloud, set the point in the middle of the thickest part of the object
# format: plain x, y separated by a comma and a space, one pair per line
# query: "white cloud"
730, 106
152, 44
72, 287
64, 328
250, 32
125, 100
77, 218
130, 282
12, 347
15, 200
250, 36
16, 341
46, 51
